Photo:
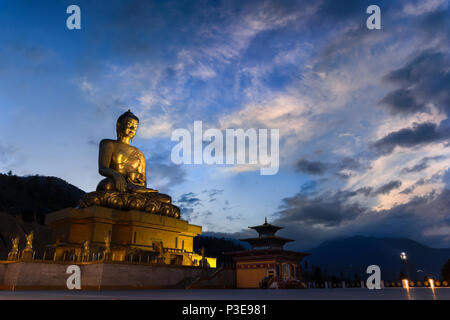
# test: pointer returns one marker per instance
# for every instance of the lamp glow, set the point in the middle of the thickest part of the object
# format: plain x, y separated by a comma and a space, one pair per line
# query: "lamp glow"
405, 283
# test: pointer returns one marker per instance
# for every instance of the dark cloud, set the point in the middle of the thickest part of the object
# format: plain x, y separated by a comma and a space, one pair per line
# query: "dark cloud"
349, 164
407, 190
409, 221
439, 176
312, 167
401, 101
422, 165
186, 213
419, 134
328, 210
366, 191
388, 187
319, 167
313, 220
417, 168
370, 192
187, 202
190, 214
308, 187
189, 199
422, 80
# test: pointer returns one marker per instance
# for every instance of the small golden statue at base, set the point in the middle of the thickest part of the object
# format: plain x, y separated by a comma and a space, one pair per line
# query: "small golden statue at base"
125, 185
161, 253
86, 253
14, 253
28, 253
107, 251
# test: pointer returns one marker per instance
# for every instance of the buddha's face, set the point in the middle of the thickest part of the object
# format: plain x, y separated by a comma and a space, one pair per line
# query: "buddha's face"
128, 128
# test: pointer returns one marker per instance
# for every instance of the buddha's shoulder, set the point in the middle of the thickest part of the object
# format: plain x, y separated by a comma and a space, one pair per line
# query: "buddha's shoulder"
135, 149
107, 142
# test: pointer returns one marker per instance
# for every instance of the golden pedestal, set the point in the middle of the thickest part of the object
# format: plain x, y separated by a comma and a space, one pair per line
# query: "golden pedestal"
27, 254
136, 236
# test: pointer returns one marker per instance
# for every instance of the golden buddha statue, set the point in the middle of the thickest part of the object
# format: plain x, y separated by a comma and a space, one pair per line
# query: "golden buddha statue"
14, 253
125, 183
29, 237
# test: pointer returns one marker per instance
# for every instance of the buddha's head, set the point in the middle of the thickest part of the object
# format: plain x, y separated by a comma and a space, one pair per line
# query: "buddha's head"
127, 125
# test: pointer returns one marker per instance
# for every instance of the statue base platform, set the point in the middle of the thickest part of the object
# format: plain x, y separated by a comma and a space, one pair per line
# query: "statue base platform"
136, 236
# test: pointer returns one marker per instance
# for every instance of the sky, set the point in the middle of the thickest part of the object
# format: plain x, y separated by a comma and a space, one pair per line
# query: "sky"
362, 114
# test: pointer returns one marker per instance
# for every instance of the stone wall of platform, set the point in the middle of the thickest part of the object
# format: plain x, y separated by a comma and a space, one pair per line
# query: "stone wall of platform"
97, 275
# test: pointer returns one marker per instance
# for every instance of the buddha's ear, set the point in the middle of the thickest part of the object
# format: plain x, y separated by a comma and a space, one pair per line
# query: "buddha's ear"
118, 129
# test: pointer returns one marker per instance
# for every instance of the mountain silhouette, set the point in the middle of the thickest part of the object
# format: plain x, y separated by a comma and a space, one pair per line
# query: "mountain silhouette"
31, 197
349, 258
24, 202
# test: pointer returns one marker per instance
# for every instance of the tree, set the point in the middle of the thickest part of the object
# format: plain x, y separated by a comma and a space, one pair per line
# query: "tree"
446, 271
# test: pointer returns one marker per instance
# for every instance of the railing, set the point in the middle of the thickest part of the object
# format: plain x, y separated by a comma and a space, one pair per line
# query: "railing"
362, 284
75, 256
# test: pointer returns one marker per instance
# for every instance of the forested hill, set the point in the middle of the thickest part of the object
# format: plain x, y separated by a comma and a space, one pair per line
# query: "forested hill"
31, 197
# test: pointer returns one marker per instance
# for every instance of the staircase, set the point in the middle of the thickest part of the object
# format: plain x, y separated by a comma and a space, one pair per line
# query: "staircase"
223, 277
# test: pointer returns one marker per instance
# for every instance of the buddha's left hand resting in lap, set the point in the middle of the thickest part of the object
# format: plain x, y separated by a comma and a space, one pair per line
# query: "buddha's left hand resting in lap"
125, 185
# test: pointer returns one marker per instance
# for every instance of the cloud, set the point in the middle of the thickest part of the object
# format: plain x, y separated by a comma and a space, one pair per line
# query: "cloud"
388, 187
189, 199
329, 210
213, 193
224, 40
419, 134
162, 174
320, 168
189, 203
311, 220
402, 101
422, 165
423, 80
417, 8
311, 167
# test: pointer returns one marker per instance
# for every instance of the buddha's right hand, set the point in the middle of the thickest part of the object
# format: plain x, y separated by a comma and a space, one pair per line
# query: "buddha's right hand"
120, 183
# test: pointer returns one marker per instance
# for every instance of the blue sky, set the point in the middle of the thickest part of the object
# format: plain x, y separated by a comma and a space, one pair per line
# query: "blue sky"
363, 114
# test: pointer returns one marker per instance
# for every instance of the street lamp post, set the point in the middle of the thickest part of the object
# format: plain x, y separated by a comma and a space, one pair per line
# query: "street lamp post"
404, 258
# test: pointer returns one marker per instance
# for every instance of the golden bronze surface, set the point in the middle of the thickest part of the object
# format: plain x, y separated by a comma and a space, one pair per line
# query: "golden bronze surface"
29, 237
28, 252
125, 185
14, 253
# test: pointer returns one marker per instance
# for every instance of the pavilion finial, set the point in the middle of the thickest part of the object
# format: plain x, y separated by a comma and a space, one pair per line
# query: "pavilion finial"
265, 220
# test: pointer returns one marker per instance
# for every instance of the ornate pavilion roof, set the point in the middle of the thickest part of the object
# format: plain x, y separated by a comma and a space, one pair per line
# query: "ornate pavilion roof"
267, 238
266, 229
